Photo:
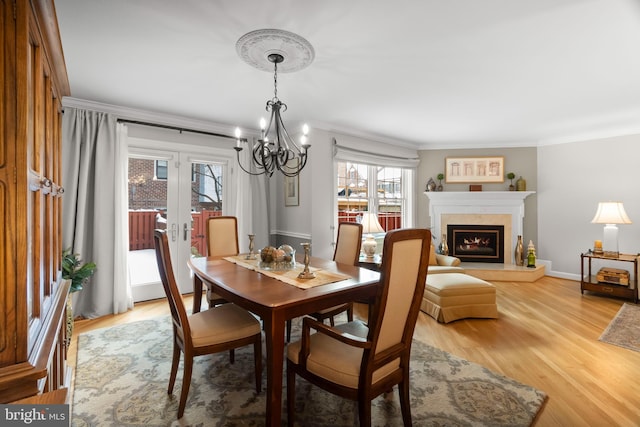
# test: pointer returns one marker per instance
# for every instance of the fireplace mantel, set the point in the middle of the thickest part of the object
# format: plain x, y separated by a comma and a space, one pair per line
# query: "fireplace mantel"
479, 204
478, 197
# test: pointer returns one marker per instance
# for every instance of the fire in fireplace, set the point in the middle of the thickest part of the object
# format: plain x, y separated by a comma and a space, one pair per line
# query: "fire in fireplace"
476, 243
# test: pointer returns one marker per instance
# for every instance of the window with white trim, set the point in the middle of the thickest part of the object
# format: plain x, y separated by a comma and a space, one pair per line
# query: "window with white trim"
160, 170
378, 189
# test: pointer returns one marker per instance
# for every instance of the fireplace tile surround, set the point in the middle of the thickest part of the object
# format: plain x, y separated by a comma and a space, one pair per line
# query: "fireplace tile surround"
504, 208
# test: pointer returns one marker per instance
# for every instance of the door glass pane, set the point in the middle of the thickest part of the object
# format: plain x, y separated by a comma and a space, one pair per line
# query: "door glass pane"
206, 201
147, 211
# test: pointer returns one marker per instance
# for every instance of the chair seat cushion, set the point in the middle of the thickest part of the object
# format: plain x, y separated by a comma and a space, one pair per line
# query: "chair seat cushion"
338, 362
222, 323
453, 296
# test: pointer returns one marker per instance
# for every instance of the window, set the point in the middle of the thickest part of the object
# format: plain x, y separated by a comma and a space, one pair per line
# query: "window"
379, 189
161, 169
206, 181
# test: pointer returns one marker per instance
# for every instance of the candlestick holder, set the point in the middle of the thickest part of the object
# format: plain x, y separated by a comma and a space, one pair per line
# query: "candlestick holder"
251, 254
306, 274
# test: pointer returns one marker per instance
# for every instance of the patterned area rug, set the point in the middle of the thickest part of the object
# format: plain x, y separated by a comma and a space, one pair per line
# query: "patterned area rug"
122, 375
624, 329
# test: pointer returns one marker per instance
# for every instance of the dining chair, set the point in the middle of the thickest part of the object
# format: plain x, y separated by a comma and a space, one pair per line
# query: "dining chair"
347, 251
222, 240
358, 361
221, 328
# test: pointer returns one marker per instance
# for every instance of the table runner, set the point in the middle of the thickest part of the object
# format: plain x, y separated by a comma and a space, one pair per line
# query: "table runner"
290, 277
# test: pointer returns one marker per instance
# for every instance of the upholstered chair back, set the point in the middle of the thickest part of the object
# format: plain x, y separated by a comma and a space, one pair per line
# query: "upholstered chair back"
403, 276
222, 236
348, 243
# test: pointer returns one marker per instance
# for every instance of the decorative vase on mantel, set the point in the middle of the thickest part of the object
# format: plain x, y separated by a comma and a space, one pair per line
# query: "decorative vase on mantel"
431, 185
443, 248
521, 184
519, 253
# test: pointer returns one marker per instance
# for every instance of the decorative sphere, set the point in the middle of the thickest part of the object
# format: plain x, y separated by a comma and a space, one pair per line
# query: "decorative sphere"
267, 254
278, 254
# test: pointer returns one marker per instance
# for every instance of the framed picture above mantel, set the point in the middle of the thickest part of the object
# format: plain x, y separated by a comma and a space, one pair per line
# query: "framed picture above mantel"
460, 170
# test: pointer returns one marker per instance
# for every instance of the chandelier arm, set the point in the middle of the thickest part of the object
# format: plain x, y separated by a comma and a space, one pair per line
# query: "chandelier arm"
291, 172
263, 157
281, 151
289, 141
238, 150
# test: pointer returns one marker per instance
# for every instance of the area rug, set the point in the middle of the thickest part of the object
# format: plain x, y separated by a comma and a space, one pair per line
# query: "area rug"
122, 375
624, 329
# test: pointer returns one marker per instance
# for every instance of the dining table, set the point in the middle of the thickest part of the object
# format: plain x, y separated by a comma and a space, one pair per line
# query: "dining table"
277, 299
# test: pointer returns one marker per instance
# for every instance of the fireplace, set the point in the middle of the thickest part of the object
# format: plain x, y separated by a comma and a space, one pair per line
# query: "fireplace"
504, 208
476, 243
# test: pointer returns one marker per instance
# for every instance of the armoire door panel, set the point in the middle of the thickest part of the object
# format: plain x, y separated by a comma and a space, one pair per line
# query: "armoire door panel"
7, 187
32, 293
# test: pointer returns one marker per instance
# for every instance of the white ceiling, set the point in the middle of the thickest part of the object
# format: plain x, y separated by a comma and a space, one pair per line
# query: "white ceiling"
429, 73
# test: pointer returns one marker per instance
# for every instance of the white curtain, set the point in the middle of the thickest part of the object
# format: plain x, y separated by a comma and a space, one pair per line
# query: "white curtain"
251, 204
95, 224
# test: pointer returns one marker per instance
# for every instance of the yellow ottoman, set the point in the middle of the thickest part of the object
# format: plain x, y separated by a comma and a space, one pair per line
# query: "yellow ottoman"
453, 296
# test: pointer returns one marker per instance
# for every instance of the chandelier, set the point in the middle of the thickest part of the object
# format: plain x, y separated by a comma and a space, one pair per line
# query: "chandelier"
276, 149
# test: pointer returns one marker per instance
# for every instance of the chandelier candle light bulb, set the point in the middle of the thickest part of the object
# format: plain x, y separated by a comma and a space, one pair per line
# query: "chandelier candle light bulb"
263, 127
238, 135
305, 132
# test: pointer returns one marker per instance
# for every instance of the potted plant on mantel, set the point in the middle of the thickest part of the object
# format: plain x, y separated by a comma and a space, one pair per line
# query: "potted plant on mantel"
440, 178
511, 176
73, 269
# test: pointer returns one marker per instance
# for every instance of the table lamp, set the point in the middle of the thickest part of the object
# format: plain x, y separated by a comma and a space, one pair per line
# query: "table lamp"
610, 214
370, 225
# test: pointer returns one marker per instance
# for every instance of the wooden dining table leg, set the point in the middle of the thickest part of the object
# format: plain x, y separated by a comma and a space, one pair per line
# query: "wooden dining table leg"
197, 293
274, 327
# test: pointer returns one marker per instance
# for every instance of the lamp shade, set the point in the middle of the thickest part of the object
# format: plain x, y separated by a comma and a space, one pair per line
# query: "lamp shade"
370, 223
611, 213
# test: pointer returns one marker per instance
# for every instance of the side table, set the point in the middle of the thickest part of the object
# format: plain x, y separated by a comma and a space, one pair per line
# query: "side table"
589, 282
369, 263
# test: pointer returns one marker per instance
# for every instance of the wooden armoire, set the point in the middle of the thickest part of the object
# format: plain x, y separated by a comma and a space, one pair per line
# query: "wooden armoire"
32, 292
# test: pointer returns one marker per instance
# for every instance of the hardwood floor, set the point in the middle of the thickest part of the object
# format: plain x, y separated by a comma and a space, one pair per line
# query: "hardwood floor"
546, 337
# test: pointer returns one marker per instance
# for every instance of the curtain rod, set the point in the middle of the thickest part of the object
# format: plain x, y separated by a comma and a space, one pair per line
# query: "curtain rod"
202, 132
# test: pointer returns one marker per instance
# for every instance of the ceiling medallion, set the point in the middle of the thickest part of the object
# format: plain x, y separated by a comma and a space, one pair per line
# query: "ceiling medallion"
255, 47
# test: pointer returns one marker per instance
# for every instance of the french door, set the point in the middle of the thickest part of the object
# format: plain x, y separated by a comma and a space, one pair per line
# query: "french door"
175, 191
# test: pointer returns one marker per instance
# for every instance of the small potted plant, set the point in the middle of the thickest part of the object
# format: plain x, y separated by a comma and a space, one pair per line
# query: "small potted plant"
511, 176
73, 269
440, 178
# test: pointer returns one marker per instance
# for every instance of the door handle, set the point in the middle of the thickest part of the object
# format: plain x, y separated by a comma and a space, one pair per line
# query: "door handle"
174, 231
186, 230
